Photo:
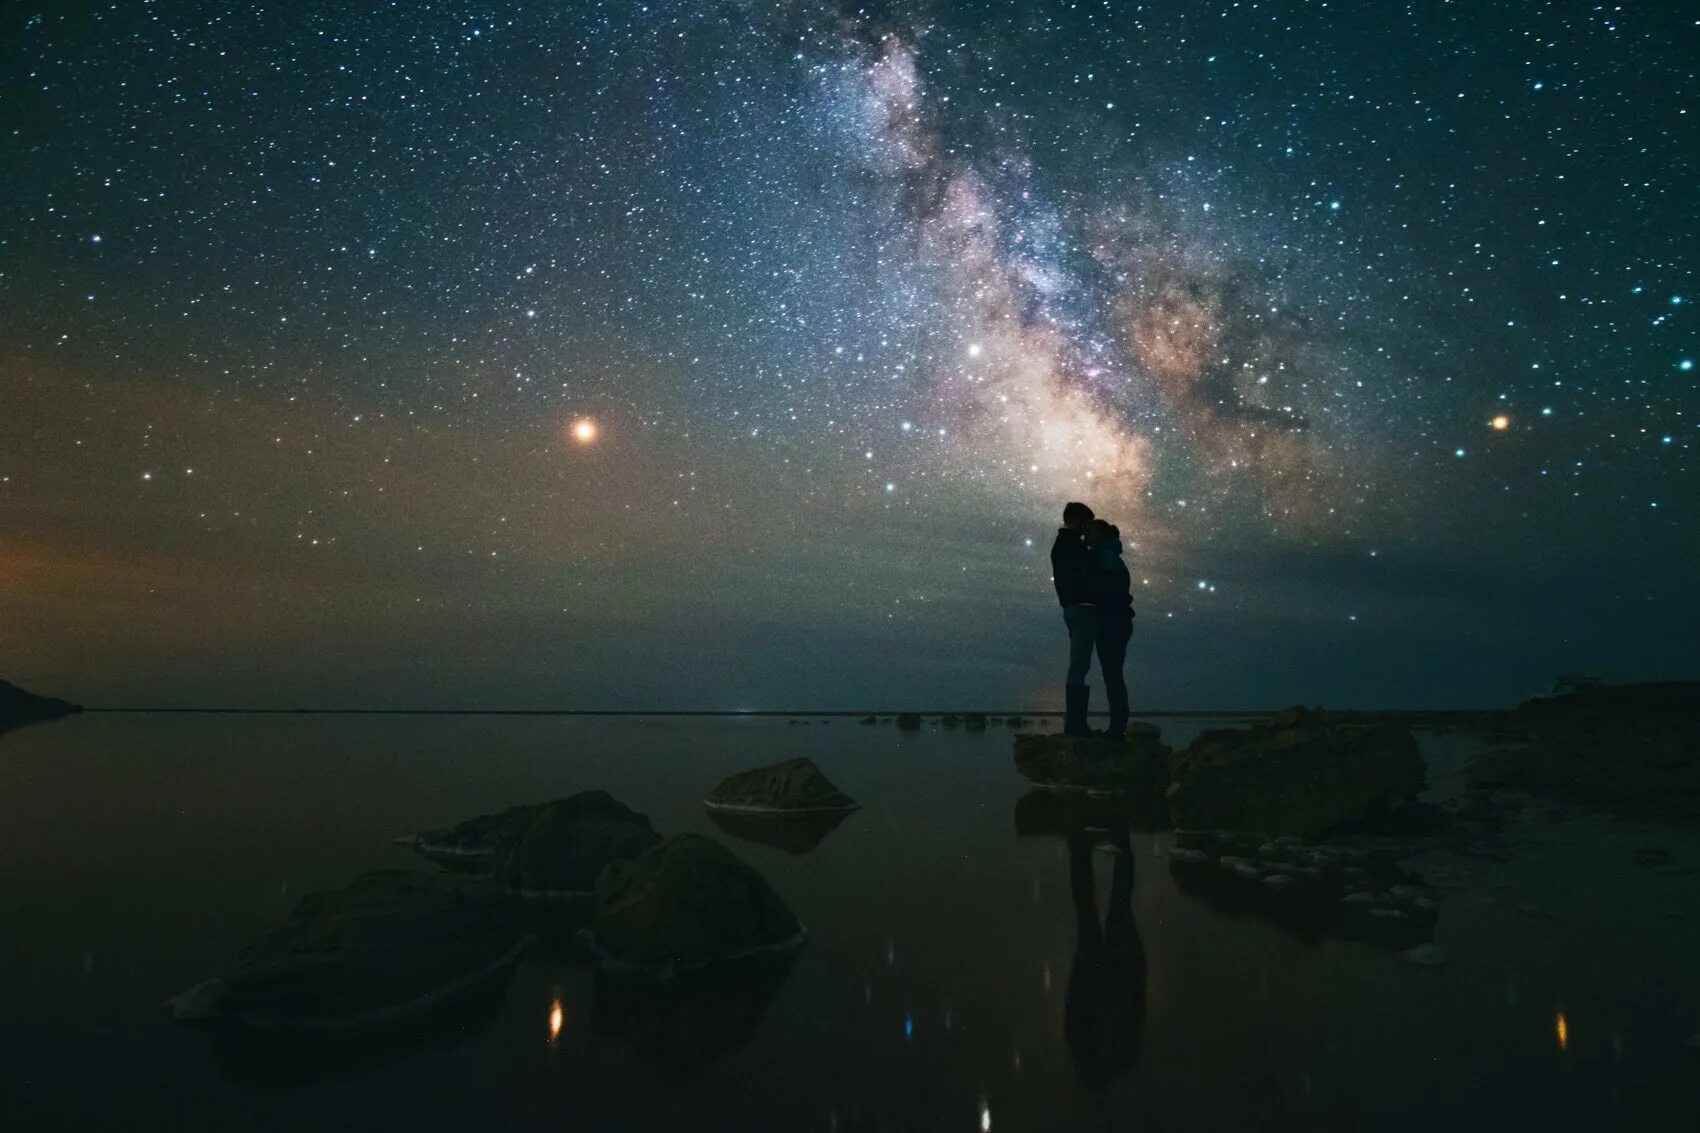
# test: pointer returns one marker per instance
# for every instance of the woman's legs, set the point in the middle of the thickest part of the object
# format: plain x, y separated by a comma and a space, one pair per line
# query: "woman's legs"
1112, 653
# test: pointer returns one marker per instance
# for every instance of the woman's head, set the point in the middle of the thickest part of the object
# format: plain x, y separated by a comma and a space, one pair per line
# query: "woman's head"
1101, 530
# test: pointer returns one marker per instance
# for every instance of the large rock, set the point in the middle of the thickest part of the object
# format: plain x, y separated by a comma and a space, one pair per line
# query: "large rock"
1086, 763
1301, 773
686, 903
1633, 749
390, 947
795, 786
559, 850
18, 707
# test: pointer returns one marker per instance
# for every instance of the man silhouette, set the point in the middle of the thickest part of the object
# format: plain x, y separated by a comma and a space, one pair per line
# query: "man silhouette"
1071, 573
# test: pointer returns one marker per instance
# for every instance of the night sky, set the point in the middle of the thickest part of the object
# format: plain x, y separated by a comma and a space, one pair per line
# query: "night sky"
742, 355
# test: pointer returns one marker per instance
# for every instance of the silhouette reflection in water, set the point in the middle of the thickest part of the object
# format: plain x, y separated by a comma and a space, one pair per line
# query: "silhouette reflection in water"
1104, 1007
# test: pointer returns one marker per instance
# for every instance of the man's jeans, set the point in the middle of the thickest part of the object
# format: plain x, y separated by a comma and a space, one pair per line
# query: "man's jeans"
1082, 622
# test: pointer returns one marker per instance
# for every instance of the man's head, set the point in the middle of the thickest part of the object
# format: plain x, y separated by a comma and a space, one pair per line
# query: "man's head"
1076, 516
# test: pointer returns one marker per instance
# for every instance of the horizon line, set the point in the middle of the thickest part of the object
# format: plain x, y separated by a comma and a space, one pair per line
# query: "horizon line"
757, 712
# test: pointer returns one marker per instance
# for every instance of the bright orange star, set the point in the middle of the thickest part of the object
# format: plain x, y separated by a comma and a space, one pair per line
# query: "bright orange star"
584, 430
1501, 423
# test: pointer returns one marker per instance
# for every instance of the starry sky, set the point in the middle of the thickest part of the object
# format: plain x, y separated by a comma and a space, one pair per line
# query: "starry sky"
733, 354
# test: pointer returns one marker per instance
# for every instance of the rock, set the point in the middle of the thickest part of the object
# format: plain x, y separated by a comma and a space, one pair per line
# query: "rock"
909, 721
561, 848
974, 721
1630, 749
1391, 914
1017, 721
1359, 898
390, 947
795, 786
868, 720
685, 903
18, 707
1300, 774
1089, 763
1425, 956
470, 844
951, 721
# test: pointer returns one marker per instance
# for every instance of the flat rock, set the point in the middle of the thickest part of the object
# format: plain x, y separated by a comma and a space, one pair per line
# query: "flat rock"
1088, 763
390, 947
793, 833
559, 850
1302, 773
686, 903
795, 786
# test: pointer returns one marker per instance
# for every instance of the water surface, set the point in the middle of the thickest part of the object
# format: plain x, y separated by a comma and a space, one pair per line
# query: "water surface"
958, 975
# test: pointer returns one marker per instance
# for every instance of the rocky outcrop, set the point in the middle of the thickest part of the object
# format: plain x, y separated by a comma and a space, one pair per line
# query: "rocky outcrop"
795, 786
1085, 763
559, 849
686, 903
1632, 749
18, 707
389, 948
1300, 773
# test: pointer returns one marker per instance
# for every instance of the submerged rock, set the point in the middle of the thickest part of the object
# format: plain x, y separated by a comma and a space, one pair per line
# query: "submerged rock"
1301, 773
18, 707
390, 947
559, 850
1631, 749
686, 903
1425, 956
795, 786
1087, 763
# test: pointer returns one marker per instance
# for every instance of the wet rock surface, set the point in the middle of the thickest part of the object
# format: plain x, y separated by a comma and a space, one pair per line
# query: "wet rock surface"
560, 849
1630, 749
470, 844
388, 948
686, 903
793, 787
1302, 773
19, 707
1087, 763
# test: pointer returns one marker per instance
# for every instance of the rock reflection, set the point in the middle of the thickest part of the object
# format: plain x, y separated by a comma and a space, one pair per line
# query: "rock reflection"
680, 1025
1104, 1006
795, 834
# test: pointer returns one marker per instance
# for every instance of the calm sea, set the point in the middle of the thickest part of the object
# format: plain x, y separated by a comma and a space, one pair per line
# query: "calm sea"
964, 971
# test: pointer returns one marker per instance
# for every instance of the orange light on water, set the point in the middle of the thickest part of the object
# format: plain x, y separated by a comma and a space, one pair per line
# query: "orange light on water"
556, 1018
1563, 1030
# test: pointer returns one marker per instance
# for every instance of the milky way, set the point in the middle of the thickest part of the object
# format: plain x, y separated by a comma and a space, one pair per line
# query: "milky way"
738, 353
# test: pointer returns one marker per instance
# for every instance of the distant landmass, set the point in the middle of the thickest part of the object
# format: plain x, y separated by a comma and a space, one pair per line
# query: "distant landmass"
19, 707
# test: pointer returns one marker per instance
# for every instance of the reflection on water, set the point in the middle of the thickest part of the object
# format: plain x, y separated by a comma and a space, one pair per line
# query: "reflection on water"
958, 974
1105, 1004
793, 833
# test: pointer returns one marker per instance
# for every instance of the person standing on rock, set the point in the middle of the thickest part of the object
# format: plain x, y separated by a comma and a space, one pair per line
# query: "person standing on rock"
1112, 594
1071, 573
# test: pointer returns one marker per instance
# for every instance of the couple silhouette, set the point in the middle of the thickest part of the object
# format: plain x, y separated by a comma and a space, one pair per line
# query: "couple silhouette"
1096, 594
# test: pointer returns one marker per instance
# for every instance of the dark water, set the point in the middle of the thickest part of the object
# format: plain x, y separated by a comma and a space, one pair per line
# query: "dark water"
138, 855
